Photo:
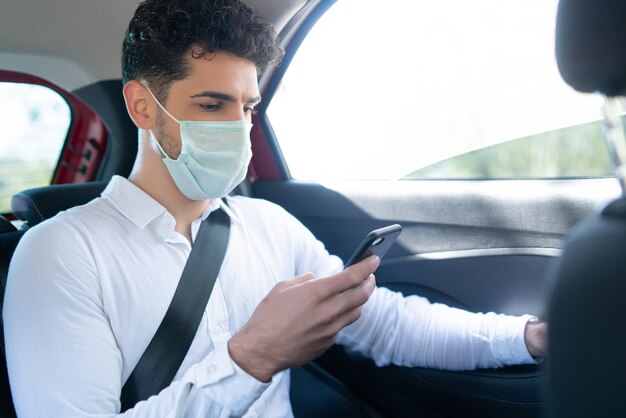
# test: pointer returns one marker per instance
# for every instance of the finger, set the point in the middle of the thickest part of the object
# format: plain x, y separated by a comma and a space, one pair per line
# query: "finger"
373, 261
358, 295
345, 319
352, 298
348, 278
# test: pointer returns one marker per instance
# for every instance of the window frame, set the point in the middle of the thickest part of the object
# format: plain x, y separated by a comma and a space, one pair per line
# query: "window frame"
268, 162
86, 139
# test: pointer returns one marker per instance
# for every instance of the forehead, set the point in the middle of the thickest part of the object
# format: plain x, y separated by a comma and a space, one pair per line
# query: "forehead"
221, 71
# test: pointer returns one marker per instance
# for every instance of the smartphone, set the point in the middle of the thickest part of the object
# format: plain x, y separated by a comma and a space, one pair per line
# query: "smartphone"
377, 243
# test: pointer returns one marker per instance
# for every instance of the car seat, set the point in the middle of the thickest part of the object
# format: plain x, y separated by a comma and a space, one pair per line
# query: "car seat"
38, 204
587, 310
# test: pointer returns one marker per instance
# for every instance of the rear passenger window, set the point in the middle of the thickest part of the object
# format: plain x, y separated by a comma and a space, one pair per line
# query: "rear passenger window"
34, 123
450, 89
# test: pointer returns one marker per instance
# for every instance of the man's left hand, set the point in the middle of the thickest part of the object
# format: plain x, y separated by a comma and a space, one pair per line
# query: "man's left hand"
536, 338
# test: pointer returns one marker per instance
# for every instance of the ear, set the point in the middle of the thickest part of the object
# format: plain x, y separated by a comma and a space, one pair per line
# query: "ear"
140, 105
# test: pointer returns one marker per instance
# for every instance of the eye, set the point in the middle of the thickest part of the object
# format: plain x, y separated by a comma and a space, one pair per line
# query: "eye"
213, 107
250, 110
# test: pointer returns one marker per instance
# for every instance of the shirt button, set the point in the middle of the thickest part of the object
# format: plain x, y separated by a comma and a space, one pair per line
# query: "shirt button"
212, 368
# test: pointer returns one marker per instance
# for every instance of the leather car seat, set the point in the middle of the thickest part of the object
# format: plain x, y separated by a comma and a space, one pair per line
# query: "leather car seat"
38, 204
587, 311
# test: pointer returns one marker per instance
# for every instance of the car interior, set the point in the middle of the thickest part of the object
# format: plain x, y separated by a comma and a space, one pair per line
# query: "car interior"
503, 245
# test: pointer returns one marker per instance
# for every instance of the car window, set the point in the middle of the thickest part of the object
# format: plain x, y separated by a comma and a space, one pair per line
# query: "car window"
34, 123
572, 152
448, 89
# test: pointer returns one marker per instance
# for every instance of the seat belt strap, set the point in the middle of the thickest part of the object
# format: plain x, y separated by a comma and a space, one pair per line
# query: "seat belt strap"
169, 346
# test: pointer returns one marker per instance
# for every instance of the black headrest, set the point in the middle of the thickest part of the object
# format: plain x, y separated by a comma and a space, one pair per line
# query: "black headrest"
39, 204
591, 45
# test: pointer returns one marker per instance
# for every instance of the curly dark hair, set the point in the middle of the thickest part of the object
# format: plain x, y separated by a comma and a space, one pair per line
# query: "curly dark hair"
162, 32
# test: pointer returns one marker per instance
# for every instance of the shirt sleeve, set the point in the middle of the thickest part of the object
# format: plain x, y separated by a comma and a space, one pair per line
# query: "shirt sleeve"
62, 355
411, 331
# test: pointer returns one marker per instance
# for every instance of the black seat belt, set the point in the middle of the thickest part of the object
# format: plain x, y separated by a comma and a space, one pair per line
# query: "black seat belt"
169, 346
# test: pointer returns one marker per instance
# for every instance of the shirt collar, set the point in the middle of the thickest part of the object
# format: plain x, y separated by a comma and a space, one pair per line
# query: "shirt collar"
141, 209
132, 202
219, 203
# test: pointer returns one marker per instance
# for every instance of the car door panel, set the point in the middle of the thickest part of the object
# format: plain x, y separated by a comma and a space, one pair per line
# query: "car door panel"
399, 391
477, 245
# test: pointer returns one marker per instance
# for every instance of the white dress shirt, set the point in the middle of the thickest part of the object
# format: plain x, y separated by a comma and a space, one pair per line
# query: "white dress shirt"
88, 289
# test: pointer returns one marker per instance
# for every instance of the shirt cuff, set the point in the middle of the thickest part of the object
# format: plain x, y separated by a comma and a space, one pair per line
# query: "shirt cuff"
221, 379
509, 345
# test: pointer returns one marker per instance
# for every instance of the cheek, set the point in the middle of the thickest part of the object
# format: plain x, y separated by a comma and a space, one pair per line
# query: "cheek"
169, 138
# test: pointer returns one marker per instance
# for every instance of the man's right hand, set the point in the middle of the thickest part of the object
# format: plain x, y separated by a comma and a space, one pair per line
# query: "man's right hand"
299, 319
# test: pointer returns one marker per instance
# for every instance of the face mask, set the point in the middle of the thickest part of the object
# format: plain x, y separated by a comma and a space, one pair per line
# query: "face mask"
213, 159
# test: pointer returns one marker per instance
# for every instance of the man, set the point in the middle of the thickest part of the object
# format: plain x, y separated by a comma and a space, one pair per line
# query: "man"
78, 318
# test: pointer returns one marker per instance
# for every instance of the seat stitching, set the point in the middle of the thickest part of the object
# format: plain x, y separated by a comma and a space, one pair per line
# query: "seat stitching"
32, 203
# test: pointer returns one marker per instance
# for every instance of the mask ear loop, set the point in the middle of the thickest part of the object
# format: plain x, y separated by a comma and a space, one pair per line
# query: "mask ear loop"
168, 114
163, 153
160, 105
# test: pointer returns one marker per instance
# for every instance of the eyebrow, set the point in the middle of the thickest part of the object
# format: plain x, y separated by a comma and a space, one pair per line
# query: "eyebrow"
223, 96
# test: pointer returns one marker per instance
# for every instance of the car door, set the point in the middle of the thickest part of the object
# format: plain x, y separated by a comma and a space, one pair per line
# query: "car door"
481, 232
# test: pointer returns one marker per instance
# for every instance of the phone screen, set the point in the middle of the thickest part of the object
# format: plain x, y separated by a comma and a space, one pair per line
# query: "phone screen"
377, 243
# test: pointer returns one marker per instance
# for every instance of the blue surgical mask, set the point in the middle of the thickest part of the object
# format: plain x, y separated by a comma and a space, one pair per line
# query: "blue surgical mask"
213, 159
